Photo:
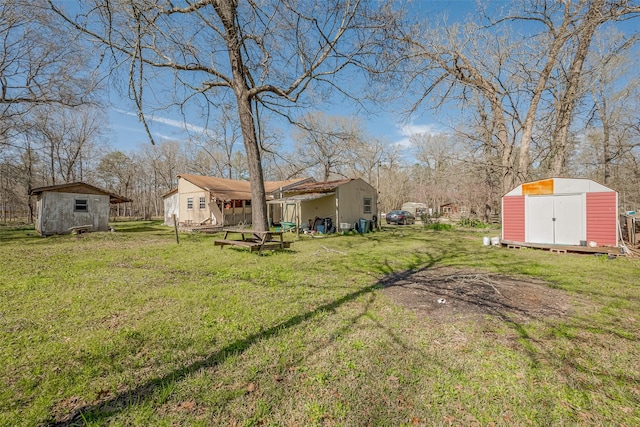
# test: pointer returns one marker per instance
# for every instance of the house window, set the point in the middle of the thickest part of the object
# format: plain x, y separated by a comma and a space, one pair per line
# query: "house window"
81, 205
189, 202
202, 203
367, 205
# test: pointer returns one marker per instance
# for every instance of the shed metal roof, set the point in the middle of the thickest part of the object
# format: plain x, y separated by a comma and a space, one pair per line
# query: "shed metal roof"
320, 187
80, 188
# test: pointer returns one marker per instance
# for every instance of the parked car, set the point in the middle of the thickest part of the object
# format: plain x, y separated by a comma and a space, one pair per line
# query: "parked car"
400, 217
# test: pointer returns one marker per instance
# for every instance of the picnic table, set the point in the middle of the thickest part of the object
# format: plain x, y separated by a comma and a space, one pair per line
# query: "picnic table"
253, 240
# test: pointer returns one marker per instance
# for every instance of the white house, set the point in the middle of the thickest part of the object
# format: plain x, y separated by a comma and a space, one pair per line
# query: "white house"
200, 200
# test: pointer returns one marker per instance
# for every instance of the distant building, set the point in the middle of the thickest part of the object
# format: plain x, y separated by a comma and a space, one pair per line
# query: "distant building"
449, 209
61, 208
415, 208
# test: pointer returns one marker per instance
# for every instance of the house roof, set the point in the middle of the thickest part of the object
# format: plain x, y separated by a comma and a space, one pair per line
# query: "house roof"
170, 192
80, 188
320, 187
233, 189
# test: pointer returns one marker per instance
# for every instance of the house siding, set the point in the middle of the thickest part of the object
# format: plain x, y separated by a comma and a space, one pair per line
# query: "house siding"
351, 202
171, 208
513, 218
602, 218
56, 213
324, 207
194, 215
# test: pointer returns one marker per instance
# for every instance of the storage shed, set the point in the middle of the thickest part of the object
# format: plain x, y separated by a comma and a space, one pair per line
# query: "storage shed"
561, 211
62, 208
344, 202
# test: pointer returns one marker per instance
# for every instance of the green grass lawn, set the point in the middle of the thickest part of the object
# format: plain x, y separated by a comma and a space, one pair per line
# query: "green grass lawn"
130, 328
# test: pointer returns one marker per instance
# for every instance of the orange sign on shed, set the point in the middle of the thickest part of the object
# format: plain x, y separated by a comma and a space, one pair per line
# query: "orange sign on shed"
538, 187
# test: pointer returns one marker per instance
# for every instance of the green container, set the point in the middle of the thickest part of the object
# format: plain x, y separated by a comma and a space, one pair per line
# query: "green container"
364, 226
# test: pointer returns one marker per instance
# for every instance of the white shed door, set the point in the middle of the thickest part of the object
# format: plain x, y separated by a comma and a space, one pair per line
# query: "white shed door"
555, 219
569, 219
539, 219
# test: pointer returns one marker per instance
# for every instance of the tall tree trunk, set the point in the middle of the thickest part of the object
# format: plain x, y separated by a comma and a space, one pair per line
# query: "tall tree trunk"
254, 161
527, 128
227, 12
606, 135
565, 111
506, 149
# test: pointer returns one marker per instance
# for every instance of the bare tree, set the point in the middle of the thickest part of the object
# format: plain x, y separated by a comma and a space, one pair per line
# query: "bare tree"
365, 157
613, 95
217, 150
69, 138
453, 64
39, 62
511, 73
166, 160
322, 143
262, 53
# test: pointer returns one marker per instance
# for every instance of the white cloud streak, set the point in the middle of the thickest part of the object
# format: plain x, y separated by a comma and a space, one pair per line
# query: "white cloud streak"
180, 124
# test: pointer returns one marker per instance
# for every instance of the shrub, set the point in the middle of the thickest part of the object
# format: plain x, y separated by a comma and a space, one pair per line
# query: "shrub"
438, 226
472, 223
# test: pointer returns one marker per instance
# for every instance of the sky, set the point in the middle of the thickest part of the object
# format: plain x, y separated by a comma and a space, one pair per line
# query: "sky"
127, 132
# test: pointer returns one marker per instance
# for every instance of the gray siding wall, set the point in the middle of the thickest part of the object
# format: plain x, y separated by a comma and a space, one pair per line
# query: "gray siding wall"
56, 212
351, 202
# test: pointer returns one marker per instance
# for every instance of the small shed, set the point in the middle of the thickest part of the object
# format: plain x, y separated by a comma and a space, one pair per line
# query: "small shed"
62, 208
561, 211
345, 202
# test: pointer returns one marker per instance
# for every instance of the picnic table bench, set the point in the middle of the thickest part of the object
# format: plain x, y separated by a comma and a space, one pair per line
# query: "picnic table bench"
253, 240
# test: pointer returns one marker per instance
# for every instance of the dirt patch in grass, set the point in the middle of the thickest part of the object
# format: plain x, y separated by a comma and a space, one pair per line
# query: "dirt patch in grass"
449, 294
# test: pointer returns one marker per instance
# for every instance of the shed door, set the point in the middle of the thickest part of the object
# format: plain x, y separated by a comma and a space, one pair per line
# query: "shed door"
555, 219
539, 218
569, 219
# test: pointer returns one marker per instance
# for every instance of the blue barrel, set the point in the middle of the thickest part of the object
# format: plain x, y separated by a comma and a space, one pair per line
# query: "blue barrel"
364, 226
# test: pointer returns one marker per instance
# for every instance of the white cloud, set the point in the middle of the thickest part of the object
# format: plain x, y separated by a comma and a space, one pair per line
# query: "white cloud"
411, 129
407, 130
180, 124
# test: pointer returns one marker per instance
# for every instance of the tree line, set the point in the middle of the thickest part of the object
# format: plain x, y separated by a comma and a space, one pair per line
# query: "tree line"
543, 88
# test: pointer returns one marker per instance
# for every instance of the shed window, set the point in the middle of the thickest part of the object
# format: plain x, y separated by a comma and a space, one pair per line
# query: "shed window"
81, 205
202, 203
189, 202
367, 205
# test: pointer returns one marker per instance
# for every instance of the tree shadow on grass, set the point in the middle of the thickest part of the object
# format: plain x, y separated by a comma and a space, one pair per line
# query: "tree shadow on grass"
546, 330
110, 407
